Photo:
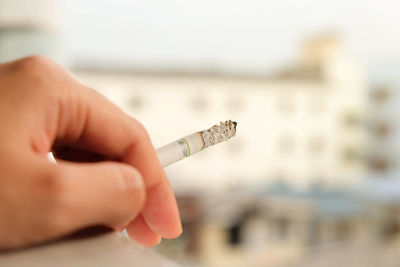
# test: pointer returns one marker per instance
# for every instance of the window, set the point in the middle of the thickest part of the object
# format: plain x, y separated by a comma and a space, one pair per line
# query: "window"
198, 103
343, 231
380, 94
234, 103
286, 104
234, 234
282, 228
316, 145
379, 164
350, 155
135, 102
286, 144
382, 129
351, 119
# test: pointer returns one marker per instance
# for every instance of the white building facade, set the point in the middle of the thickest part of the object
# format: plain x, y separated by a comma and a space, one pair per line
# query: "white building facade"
302, 126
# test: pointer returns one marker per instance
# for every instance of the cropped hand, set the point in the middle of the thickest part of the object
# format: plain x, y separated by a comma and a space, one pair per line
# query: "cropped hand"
107, 171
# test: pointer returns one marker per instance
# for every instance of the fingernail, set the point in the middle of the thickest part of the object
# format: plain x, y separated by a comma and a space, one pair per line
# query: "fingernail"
131, 178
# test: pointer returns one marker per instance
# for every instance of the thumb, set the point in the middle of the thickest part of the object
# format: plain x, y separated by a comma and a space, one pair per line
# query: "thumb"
107, 193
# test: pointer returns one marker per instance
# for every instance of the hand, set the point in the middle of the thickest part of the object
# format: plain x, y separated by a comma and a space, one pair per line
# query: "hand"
107, 170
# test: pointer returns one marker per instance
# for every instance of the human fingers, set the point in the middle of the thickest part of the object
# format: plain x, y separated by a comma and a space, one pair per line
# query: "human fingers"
71, 114
107, 193
139, 230
56, 199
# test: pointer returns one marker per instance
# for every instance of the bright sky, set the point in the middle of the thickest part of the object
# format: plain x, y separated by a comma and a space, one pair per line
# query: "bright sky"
233, 35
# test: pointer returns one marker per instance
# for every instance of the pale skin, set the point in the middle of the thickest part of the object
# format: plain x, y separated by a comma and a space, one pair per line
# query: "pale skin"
107, 171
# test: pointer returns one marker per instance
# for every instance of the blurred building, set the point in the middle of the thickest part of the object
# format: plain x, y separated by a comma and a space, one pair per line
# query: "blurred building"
384, 156
302, 138
303, 125
30, 27
281, 226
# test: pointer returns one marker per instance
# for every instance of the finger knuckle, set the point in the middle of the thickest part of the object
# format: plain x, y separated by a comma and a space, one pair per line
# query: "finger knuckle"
52, 189
33, 63
140, 129
41, 74
37, 70
50, 181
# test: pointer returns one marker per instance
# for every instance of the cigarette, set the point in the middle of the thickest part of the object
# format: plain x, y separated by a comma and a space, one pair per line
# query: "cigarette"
196, 142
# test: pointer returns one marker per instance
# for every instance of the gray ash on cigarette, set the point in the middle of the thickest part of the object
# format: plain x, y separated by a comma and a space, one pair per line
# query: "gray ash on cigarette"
219, 133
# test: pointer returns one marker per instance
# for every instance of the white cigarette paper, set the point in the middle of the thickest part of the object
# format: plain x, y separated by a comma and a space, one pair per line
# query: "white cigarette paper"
191, 144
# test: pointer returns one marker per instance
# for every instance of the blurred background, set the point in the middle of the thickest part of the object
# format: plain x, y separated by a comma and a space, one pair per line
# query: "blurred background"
312, 177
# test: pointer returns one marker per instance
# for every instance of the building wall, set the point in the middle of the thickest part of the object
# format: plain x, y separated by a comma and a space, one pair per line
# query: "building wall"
297, 130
